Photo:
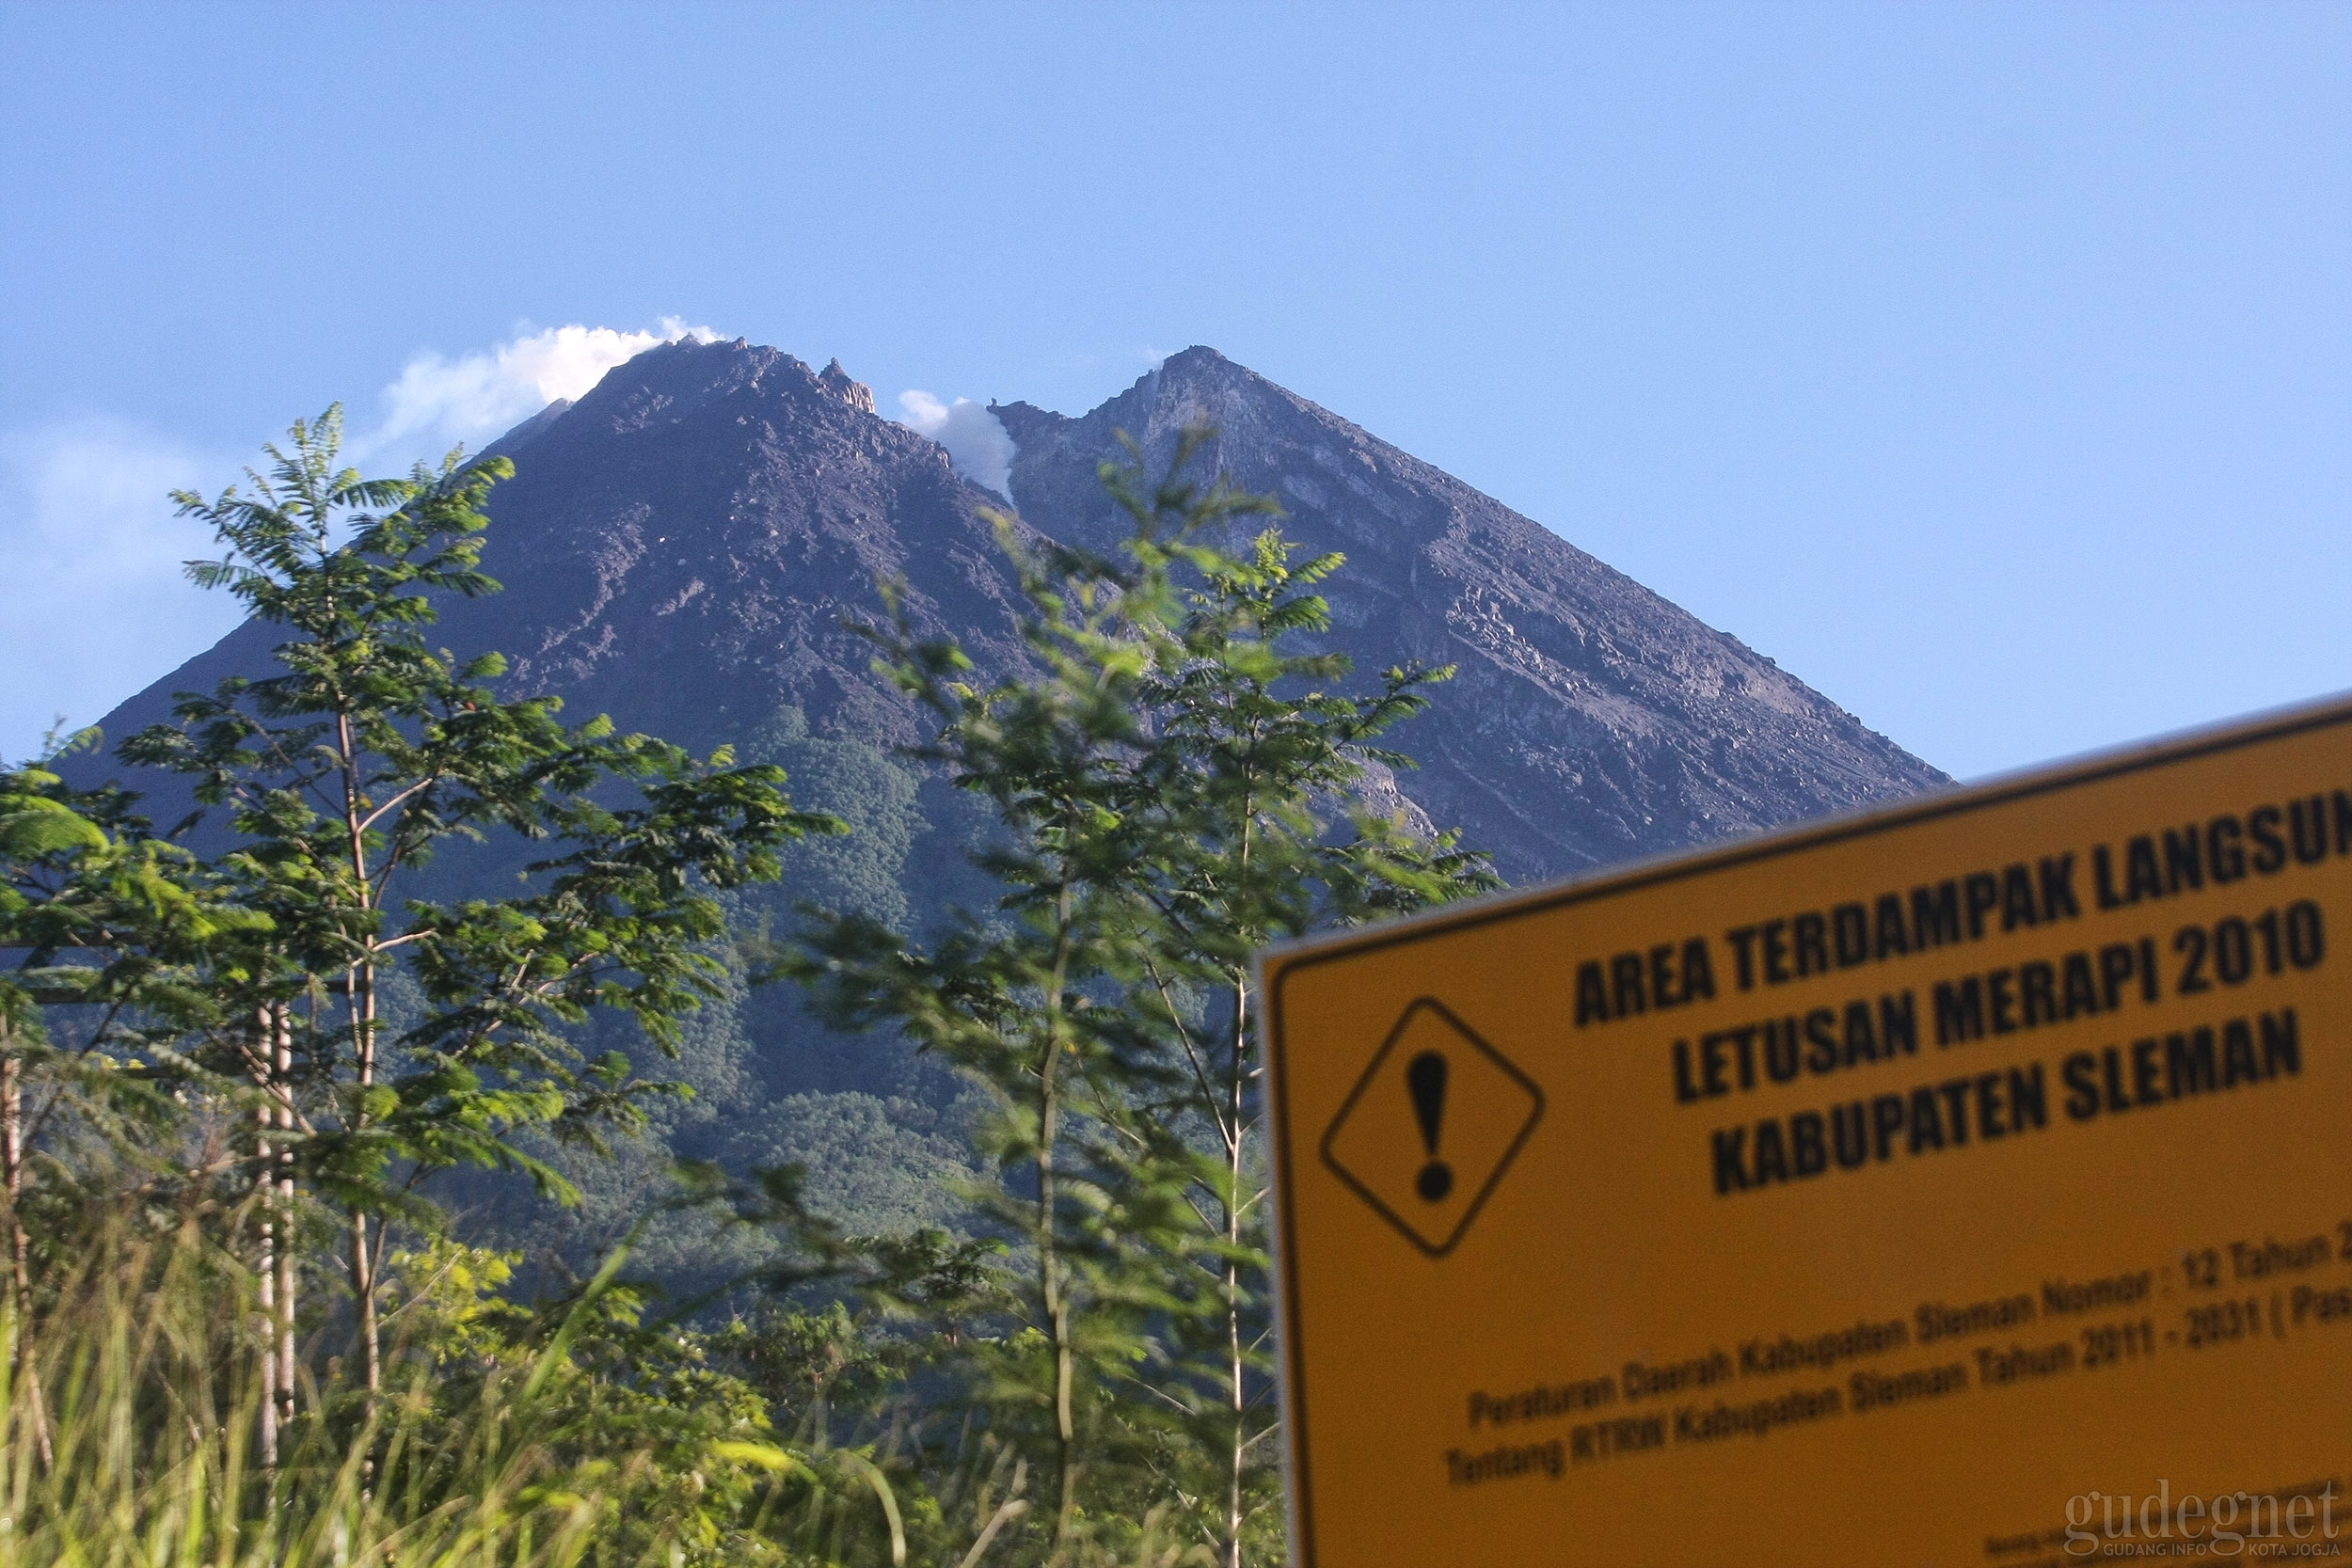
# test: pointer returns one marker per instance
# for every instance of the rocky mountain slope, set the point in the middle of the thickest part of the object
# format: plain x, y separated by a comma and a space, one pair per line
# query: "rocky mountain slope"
1590, 719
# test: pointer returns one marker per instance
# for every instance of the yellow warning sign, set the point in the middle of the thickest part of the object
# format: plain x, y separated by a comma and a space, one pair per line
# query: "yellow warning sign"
1965, 1183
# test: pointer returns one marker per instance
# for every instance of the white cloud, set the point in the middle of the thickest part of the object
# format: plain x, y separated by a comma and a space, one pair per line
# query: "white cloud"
94, 603
977, 441
476, 398
94, 600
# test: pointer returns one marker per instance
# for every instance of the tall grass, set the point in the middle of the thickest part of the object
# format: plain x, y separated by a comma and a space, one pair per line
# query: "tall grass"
146, 1378
131, 1403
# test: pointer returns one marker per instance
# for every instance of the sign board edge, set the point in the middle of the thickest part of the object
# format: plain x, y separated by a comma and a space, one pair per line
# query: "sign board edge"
1278, 958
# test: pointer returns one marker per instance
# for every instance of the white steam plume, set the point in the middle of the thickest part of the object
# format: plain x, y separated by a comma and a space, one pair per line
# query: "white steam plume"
977, 441
476, 398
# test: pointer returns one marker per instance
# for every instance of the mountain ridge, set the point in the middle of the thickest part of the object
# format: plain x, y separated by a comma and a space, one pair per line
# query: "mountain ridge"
688, 545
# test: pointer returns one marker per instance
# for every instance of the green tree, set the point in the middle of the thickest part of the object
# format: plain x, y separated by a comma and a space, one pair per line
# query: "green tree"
1012, 1001
344, 772
1255, 756
1167, 777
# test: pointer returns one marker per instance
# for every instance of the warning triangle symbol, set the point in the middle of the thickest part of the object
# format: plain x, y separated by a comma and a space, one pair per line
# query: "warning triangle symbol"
1432, 1125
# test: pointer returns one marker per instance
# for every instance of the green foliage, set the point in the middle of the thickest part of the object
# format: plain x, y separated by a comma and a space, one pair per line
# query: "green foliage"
115, 937
340, 776
347, 769
876, 793
897, 1164
1253, 751
1165, 787
1022, 1322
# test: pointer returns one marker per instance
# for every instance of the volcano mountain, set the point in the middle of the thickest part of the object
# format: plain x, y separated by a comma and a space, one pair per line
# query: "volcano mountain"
685, 546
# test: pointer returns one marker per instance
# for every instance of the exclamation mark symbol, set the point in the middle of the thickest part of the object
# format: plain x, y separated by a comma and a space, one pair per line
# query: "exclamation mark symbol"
1426, 1077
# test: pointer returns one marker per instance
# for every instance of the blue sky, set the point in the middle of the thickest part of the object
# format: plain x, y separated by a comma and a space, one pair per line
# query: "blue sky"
1990, 367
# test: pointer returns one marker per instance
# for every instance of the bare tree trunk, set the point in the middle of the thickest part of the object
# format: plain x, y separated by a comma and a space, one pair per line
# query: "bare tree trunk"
288, 1255
362, 1253
274, 1167
266, 1268
1236, 1147
21, 1241
363, 1290
362, 996
1048, 1257
1235, 1169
